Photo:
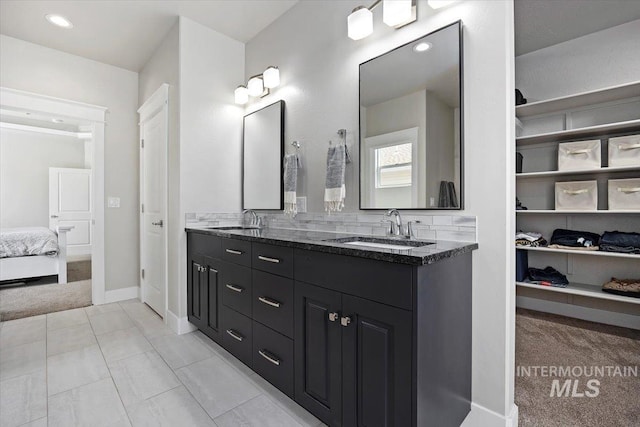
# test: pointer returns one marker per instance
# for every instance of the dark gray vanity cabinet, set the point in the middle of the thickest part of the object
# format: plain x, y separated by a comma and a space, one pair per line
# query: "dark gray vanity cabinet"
355, 341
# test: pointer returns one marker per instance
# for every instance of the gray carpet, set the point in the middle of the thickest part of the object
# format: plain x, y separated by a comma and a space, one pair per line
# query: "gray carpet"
548, 340
45, 295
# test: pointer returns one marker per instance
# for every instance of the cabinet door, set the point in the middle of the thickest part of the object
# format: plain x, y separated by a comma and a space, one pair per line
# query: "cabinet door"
318, 353
377, 349
195, 290
210, 298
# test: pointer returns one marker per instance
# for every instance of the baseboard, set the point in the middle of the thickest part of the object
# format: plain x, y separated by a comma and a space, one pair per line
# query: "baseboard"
179, 325
580, 312
122, 294
483, 417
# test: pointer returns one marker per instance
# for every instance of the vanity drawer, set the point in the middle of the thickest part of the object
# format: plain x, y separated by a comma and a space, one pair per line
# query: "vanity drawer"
236, 335
236, 287
380, 281
273, 259
273, 301
273, 357
236, 251
204, 244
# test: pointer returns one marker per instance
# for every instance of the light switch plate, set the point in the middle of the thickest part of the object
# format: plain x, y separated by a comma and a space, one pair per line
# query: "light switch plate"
301, 204
113, 202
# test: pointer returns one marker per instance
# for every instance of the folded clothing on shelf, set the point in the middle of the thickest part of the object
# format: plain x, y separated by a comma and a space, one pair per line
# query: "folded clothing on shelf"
574, 239
548, 276
626, 287
530, 238
618, 241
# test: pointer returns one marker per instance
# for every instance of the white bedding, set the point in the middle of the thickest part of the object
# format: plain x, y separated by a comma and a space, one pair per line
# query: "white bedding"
26, 241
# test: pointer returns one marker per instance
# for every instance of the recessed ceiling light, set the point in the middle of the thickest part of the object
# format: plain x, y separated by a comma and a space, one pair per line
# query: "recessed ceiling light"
422, 47
59, 20
57, 120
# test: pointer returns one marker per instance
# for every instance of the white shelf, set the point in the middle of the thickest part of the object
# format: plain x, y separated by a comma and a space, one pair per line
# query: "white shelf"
582, 290
578, 172
579, 252
554, 105
571, 134
554, 212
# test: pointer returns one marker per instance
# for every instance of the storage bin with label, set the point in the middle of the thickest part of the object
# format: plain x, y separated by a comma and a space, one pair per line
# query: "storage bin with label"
579, 155
624, 194
624, 151
577, 195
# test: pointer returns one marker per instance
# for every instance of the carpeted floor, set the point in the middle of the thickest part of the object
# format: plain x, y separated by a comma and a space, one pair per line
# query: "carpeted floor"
549, 340
45, 295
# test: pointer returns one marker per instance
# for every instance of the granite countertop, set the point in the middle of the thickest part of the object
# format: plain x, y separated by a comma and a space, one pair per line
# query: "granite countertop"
329, 242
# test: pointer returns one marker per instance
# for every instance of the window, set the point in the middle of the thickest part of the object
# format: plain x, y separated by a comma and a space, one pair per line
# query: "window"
393, 166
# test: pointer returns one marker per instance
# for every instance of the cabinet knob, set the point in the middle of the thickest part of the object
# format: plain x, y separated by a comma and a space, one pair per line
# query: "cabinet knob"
344, 321
333, 316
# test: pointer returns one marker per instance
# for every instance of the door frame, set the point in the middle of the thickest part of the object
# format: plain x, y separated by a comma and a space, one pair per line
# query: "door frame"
95, 116
159, 100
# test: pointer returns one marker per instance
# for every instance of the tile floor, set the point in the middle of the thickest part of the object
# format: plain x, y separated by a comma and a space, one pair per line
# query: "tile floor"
119, 365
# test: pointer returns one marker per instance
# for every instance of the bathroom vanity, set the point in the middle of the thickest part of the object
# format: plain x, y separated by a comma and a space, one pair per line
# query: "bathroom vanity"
358, 332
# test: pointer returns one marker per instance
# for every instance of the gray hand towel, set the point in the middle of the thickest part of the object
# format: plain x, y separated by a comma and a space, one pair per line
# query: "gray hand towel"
290, 184
335, 190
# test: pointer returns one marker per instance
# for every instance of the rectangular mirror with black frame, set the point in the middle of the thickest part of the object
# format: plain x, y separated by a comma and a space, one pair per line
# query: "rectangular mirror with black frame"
262, 154
411, 133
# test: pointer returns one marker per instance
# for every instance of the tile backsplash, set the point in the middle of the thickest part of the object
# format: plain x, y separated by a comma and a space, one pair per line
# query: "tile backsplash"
433, 227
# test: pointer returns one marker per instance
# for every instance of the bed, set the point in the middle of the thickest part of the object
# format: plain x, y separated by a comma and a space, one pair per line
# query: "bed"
33, 252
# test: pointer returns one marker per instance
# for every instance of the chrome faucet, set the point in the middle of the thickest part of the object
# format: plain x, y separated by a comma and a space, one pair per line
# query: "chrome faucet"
256, 221
396, 225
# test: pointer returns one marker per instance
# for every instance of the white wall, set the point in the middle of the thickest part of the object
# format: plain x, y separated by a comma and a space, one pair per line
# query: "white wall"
163, 67
33, 68
595, 61
319, 73
25, 159
211, 66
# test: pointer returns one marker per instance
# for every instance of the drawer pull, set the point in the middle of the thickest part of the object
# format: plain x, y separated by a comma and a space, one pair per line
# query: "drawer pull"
333, 316
265, 258
234, 288
233, 251
235, 335
270, 302
271, 358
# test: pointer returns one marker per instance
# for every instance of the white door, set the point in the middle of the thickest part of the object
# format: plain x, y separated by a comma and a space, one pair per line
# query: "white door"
153, 199
70, 202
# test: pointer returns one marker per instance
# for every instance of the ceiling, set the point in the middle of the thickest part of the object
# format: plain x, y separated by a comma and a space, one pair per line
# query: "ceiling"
125, 33
543, 23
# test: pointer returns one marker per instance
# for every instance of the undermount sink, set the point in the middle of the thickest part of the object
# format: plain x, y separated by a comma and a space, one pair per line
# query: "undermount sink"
381, 243
232, 227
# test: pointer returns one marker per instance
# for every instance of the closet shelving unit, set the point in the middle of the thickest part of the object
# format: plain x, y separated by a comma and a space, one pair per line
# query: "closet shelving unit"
599, 114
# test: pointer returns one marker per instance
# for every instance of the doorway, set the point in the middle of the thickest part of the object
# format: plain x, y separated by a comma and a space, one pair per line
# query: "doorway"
71, 198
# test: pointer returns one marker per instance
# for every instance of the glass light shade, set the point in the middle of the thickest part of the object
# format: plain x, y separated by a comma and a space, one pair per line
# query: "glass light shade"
360, 23
255, 86
241, 95
271, 77
437, 4
396, 12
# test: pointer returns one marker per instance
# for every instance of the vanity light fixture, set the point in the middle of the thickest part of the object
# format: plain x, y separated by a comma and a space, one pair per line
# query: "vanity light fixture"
59, 21
438, 4
395, 13
422, 47
258, 85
